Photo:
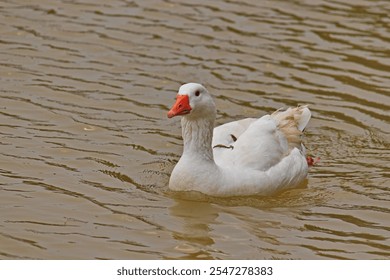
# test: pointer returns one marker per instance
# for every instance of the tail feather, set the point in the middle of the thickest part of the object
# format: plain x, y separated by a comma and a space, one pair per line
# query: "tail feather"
303, 118
292, 123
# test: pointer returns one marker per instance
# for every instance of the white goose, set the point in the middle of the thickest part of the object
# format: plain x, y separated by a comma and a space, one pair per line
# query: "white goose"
245, 157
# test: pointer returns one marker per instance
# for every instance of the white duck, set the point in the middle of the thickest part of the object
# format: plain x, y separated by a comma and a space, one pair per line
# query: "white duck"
245, 157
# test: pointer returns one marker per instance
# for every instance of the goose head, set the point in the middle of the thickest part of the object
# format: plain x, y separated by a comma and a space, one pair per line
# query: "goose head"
193, 101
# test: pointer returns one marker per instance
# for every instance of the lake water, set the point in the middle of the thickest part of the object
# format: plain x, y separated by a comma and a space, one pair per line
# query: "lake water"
86, 149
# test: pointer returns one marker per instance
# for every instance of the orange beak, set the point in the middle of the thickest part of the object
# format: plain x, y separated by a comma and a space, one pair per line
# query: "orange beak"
181, 106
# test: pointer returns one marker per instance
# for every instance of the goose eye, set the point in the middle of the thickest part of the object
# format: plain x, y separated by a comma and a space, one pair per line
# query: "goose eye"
197, 93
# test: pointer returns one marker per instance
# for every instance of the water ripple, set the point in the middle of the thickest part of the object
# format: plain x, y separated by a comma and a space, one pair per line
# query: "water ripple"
86, 149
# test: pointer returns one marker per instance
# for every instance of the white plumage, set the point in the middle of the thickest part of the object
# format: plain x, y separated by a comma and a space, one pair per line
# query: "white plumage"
245, 157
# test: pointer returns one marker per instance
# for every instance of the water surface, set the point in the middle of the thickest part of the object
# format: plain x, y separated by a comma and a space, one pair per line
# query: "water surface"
86, 149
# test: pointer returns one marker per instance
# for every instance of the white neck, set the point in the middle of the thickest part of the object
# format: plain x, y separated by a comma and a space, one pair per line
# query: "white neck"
197, 137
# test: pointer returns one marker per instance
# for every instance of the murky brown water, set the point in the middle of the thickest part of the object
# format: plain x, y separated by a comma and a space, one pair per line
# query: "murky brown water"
86, 148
